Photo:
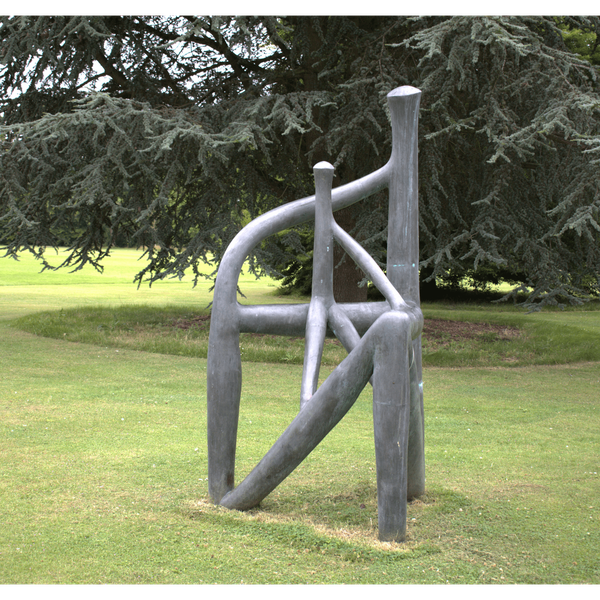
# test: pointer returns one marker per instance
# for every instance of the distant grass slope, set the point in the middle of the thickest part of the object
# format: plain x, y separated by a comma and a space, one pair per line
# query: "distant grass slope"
24, 290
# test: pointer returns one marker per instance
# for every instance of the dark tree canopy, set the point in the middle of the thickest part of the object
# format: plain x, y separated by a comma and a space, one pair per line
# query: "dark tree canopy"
169, 133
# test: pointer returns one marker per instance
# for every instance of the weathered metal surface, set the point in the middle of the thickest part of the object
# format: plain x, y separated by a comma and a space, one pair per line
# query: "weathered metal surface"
383, 339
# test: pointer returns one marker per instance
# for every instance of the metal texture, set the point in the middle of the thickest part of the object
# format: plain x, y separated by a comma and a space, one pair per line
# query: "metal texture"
383, 338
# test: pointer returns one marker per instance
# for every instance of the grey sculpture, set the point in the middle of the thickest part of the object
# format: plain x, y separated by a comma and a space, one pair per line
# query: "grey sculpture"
382, 338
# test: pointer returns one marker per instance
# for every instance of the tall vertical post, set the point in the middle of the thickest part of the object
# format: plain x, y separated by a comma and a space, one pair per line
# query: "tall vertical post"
322, 282
403, 253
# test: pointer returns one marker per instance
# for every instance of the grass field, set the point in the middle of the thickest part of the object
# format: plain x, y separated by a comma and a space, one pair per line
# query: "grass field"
103, 442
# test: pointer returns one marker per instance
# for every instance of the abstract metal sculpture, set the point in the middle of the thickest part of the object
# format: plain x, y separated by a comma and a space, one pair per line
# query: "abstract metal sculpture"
382, 338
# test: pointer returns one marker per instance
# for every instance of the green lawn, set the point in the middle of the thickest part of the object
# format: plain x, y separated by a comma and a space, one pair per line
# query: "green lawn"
103, 477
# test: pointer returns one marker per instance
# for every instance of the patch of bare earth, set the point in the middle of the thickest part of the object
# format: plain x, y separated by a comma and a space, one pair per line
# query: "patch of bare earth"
199, 321
440, 331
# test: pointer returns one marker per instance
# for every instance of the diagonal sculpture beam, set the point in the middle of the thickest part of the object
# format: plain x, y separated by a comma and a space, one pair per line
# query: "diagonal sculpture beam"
388, 352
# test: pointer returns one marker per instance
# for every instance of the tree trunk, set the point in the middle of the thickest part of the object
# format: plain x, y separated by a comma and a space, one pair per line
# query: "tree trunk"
346, 275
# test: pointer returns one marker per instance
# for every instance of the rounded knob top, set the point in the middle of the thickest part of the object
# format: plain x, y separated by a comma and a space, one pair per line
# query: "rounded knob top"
404, 90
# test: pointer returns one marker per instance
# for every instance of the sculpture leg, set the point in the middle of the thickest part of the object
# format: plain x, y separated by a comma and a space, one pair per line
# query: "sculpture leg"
416, 434
224, 374
391, 411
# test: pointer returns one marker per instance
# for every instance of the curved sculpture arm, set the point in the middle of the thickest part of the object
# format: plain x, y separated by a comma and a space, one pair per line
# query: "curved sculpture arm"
364, 260
281, 218
343, 328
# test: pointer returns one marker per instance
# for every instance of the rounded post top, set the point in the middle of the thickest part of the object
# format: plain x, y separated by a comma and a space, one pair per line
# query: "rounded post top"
404, 90
323, 166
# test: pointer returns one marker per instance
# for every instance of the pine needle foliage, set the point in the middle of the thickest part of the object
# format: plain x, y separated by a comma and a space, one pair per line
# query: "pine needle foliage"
169, 133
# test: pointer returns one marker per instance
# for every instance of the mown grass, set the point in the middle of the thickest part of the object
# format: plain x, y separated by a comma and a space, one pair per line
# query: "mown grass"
104, 477
104, 471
